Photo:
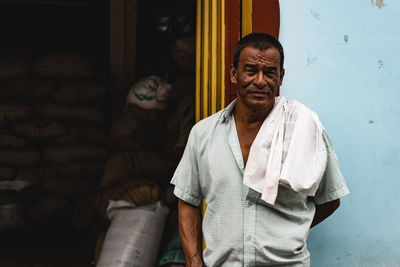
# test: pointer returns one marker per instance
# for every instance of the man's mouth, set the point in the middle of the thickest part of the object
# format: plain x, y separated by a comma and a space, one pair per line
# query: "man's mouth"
258, 93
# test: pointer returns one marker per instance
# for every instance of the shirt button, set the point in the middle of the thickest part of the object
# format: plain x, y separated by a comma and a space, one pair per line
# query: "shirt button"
248, 238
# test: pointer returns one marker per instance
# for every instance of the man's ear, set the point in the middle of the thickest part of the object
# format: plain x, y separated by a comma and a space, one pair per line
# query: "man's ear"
282, 74
232, 72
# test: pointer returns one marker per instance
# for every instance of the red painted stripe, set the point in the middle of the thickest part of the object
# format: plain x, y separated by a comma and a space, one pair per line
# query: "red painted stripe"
232, 36
265, 18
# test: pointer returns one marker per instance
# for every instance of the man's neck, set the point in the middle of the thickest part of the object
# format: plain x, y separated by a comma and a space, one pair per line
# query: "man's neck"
248, 122
249, 116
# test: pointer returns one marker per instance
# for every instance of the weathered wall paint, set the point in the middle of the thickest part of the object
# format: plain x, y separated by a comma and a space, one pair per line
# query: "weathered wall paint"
343, 61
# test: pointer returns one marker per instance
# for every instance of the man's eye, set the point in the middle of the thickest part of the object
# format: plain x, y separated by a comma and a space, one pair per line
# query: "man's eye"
251, 71
269, 74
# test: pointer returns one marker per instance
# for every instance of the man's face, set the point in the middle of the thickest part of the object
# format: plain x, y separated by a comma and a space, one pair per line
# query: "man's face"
257, 77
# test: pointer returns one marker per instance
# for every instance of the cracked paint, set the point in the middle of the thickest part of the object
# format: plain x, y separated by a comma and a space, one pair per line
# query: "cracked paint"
315, 14
311, 60
379, 3
381, 64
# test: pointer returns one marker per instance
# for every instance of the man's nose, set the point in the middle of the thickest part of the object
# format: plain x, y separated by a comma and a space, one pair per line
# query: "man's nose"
259, 80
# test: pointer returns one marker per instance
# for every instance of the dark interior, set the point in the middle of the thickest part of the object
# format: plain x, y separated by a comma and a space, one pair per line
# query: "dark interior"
35, 28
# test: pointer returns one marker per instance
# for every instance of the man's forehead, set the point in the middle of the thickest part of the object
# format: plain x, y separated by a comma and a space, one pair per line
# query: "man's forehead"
251, 55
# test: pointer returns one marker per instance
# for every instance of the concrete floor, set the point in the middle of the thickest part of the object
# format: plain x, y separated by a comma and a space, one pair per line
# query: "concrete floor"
46, 248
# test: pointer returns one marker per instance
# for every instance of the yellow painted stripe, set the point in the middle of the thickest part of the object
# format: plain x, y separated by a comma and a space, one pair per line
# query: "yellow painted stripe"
203, 211
222, 54
205, 59
247, 9
213, 67
198, 59
210, 60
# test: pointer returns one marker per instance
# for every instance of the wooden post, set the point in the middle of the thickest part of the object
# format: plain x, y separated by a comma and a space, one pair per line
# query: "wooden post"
123, 17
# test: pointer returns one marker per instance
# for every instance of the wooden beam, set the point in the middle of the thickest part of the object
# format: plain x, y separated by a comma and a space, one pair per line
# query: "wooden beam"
123, 14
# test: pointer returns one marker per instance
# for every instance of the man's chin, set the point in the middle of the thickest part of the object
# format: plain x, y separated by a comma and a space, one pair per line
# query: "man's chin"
260, 104
264, 102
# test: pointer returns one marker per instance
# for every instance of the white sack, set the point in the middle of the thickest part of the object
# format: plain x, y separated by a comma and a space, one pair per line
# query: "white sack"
134, 235
151, 92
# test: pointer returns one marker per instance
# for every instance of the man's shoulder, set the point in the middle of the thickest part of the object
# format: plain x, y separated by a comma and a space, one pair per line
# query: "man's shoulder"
295, 106
209, 122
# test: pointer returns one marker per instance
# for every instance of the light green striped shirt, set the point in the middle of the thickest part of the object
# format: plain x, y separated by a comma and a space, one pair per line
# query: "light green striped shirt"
238, 227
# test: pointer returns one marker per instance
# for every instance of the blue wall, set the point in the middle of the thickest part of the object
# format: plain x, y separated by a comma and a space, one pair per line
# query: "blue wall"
354, 86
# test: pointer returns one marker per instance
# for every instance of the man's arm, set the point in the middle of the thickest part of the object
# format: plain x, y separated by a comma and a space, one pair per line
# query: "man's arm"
323, 211
190, 233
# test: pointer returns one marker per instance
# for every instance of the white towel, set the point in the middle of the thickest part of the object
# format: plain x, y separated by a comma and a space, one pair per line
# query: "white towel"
288, 149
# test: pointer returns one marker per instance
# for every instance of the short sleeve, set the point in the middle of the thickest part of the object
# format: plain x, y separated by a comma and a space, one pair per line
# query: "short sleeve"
186, 176
333, 185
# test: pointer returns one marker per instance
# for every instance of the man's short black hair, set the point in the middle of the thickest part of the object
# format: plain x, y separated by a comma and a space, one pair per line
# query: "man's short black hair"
261, 41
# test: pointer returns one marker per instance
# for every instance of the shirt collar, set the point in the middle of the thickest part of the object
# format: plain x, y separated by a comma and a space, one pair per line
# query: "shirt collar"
228, 111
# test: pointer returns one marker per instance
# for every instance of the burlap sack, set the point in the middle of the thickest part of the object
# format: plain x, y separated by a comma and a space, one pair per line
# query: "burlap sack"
65, 187
139, 165
32, 88
92, 207
150, 92
123, 130
35, 175
6, 173
11, 141
13, 64
43, 207
40, 129
79, 153
173, 123
75, 92
80, 169
83, 114
12, 112
20, 158
183, 86
63, 64
168, 148
81, 134
183, 53
183, 97
6, 93
140, 192
138, 129
186, 111
76, 170
11, 215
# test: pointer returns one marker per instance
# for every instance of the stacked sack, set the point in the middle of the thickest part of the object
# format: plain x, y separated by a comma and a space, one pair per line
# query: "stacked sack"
53, 129
146, 142
135, 165
181, 118
140, 165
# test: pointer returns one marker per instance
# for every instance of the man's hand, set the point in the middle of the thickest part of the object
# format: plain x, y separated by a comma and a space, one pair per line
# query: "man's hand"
189, 219
324, 211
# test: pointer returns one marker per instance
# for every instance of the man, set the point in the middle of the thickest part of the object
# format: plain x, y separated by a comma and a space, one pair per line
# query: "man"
239, 227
